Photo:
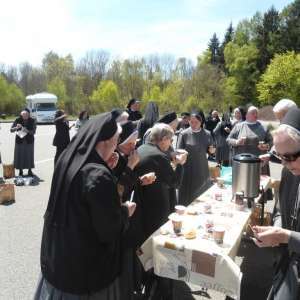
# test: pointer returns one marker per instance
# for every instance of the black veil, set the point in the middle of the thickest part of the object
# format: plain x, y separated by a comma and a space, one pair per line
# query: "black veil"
100, 128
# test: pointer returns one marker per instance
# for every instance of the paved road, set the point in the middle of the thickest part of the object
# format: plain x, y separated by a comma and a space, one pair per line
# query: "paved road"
21, 226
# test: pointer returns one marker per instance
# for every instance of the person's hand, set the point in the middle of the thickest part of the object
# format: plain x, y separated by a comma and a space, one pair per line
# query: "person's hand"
148, 178
133, 159
241, 141
263, 147
113, 160
270, 236
227, 129
181, 158
265, 157
131, 206
19, 126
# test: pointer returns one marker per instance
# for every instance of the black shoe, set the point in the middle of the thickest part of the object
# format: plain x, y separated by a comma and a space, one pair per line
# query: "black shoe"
21, 173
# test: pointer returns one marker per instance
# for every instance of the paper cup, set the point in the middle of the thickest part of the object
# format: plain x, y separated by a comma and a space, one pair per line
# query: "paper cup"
180, 209
220, 182
207, 208
176, 222
218, 234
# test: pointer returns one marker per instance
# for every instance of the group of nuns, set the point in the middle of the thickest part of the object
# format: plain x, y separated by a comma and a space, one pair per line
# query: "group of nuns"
108, 196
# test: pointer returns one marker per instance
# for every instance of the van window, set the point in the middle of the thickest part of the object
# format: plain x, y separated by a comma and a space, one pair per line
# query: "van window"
45, 106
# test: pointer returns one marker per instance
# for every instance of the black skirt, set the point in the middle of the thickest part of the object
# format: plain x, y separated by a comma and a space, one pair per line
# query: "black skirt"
46, 291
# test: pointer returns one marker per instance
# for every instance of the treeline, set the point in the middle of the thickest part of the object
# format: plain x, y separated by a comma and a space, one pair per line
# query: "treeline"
258, 61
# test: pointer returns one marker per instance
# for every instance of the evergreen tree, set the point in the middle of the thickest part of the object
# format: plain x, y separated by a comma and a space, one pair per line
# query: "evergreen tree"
227, 38
267, 37
290, 33
214, 49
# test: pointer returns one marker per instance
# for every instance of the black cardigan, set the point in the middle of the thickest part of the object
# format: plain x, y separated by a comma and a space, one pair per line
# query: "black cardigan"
29, 125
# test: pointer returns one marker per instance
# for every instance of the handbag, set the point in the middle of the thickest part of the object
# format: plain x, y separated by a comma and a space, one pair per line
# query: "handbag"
7, 192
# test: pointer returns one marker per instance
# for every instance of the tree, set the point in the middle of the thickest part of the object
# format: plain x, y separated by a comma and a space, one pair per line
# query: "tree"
290, 30
106, 97
281, 79
213, 47
32, 79
132, 76
267, 37
207, 86
93, 66
241, 62
171, 98
229, 34
58, 88
12, 99
55, 66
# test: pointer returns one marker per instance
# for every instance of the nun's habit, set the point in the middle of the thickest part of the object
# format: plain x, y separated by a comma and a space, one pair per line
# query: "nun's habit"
196, 178
220, 134
84, 222
127, 183
286, 281
62, 135
153, 201
24, 147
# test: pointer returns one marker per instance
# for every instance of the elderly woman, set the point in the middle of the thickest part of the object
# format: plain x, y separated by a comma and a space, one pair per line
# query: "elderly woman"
282, 107
153, 201
286, 283
155, 198
84, 221
237, 116
25, 128
250, 136
198, 143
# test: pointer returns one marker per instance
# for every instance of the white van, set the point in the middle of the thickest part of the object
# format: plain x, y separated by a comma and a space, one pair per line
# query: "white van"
42, 107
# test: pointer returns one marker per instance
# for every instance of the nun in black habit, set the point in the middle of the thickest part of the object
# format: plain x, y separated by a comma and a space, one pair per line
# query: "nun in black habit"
285, 234
84, 221
62, 135
128, 180
198, 142
25, 128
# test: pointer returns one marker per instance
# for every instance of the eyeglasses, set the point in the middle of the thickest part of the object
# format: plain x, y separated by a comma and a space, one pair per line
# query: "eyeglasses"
288, 157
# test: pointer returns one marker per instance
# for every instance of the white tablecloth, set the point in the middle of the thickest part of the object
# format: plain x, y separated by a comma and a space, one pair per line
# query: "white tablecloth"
201, 261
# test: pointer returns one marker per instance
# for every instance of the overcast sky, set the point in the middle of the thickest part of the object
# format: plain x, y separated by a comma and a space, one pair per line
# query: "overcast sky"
125, 28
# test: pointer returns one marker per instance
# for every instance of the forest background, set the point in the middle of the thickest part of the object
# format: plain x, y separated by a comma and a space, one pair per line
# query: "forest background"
257, 61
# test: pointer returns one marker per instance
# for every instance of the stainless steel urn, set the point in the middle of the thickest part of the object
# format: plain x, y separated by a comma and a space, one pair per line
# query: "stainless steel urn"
246, 174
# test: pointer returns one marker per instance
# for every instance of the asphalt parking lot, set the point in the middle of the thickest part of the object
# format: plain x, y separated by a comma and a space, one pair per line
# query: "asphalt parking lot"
21, 227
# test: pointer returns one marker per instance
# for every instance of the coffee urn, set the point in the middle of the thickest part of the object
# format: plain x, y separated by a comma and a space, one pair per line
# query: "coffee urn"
246, 175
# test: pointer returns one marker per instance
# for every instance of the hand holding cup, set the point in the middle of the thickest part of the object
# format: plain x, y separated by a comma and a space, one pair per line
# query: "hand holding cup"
131, 206
148, 178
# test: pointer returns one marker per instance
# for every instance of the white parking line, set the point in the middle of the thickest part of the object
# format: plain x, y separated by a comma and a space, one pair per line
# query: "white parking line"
43, 161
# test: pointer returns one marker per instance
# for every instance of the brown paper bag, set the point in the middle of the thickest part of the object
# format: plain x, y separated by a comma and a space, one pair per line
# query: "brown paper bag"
7, 192
8, 171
